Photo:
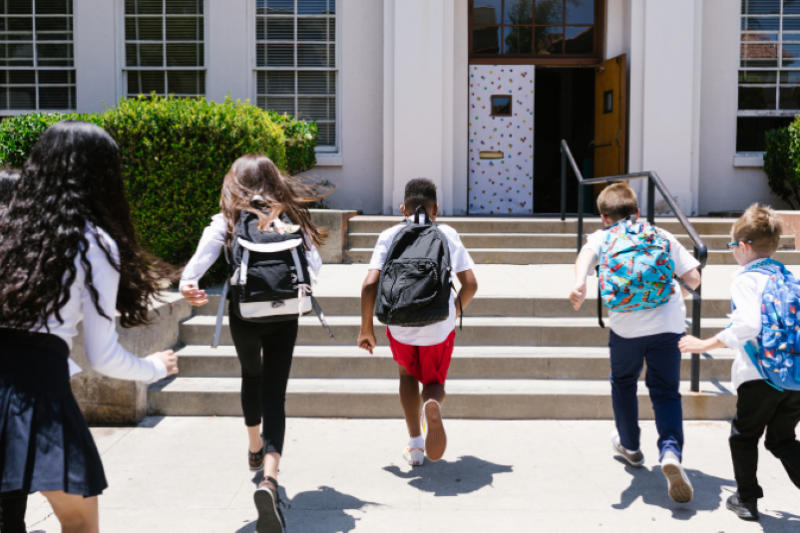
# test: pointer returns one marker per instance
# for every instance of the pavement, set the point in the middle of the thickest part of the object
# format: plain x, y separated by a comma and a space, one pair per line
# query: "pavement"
188, 474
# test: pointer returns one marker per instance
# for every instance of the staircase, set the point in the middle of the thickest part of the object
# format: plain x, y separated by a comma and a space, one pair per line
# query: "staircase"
522, 354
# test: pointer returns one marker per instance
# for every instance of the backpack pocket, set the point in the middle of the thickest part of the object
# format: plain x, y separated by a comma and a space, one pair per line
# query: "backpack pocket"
269, 278
409, 284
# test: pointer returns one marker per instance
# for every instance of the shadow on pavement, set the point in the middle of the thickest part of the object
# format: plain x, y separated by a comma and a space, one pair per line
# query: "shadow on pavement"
444, 478
319, 511
783, 522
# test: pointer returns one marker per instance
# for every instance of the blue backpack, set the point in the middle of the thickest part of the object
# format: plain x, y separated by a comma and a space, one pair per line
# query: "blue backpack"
636, 269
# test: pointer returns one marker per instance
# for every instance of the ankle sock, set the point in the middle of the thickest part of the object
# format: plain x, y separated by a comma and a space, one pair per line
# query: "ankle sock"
417, 442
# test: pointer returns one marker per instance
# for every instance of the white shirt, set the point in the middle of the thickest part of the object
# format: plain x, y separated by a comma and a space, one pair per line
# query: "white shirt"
211, 243
667, 318
460, 261
746, 291
101, 341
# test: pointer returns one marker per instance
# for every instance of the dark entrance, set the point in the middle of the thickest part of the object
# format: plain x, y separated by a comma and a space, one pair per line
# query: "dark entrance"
564, 109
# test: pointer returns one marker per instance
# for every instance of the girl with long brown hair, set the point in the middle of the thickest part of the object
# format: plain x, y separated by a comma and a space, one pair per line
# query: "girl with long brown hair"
255, 185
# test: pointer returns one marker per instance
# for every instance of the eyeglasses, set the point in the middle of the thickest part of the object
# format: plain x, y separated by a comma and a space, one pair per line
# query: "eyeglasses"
734, 244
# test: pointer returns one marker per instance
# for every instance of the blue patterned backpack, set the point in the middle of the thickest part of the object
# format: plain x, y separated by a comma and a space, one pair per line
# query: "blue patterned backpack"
636, 269
776, 350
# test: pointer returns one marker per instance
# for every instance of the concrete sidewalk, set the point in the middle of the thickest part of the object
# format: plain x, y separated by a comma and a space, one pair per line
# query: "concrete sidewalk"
180, 474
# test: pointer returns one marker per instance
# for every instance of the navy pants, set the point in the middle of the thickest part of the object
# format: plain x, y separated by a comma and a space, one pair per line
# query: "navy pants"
663, 379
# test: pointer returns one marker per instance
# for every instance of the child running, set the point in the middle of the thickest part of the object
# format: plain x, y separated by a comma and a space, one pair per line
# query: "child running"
256, 186
422, 353
760, 404
68, 253
642, 335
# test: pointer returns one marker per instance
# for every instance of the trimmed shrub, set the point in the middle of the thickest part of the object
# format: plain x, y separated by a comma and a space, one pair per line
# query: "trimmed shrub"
301, 142
782, 162
18, 134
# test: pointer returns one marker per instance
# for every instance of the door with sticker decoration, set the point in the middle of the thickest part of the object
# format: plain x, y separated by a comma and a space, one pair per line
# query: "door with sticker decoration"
500, 139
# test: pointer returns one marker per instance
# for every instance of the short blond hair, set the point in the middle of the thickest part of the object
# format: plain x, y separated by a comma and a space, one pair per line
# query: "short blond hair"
762, 226
617, 201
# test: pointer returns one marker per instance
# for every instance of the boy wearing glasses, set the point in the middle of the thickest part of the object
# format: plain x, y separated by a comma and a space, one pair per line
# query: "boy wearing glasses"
756, 237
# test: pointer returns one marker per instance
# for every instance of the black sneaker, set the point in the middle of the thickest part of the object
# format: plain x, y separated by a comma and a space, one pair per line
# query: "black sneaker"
270, 517
745, 511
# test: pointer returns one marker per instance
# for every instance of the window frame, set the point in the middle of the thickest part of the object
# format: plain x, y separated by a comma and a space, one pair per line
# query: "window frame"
123, 69
4, 113
544, 59
329, 152
778, 69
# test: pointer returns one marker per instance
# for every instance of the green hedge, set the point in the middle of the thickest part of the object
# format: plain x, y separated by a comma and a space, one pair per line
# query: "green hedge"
175, 155
782, 162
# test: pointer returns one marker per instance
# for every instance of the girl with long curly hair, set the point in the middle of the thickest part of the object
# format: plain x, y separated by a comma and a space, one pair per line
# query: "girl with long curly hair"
68, 253
255, 185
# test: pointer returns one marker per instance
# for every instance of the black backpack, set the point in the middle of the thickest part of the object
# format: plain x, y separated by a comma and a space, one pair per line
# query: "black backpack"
269, 276
416, 278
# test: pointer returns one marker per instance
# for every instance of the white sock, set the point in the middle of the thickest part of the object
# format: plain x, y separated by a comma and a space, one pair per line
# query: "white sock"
416, 442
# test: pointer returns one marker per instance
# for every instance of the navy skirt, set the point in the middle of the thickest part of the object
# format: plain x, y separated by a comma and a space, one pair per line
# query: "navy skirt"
45, 443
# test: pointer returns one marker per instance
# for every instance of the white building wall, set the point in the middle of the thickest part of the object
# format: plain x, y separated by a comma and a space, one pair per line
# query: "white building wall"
723, 187
95, 49
229, 59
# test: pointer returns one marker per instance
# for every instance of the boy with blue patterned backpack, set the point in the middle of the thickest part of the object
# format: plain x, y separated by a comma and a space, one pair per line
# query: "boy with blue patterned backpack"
638, 263
765, 331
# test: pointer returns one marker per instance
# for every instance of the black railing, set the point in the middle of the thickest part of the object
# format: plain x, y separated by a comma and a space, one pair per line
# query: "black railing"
653, 183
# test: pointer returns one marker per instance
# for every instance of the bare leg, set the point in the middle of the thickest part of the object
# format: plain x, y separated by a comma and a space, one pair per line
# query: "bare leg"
271, 464
76, 513
254, 436
410, 400
433, 391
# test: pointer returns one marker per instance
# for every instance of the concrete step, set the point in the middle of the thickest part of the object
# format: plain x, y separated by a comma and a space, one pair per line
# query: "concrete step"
469, 362
466, 398
376, 224
549, 256
545, 240
478, 331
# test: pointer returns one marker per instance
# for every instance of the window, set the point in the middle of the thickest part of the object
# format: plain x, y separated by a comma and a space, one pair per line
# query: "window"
165, 47
296, 65
535, 28
501, 106
769, 70
37, 70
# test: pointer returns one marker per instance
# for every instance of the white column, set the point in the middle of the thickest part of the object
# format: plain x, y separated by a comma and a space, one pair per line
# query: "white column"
96, 44
231, 29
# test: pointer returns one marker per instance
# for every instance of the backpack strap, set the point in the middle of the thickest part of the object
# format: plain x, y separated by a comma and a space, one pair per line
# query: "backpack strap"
460, 306
599, 300
320, 316
221, 313
428, 220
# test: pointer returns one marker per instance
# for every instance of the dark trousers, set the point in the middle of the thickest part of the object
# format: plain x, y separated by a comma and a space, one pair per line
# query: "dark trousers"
264, 380
761, 406
12, 511
663, 379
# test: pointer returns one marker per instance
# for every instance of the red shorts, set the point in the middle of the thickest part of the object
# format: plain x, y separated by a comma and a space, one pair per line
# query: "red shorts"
429, 364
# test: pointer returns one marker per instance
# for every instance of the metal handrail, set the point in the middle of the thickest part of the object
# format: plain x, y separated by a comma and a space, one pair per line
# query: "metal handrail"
653, 183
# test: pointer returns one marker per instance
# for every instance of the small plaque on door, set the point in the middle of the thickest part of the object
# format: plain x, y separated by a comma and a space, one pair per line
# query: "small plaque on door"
492, 155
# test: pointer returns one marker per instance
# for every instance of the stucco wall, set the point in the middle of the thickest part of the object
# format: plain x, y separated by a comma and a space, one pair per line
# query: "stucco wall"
723, 187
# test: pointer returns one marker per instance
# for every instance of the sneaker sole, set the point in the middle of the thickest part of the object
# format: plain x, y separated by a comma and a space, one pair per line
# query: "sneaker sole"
745, 518
436, 438
679, 489
268, 520
257, 468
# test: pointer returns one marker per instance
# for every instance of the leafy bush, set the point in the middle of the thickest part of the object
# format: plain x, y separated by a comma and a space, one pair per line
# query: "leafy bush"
301, 142
18, 134
782, 162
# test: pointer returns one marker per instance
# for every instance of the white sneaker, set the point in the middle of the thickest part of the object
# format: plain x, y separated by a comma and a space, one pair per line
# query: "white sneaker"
433, 430
680, 488
635, 459
414, 456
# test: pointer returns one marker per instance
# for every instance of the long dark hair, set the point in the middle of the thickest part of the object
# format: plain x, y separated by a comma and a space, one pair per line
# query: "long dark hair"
73, 177
255, 175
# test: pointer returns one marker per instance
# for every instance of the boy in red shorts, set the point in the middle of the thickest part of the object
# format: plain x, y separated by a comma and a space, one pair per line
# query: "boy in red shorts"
422, 353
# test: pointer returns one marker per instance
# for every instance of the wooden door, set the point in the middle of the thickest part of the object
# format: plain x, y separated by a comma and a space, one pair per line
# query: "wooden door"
609, 118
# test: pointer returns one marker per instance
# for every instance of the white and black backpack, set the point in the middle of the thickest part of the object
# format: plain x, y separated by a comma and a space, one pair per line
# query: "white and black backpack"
269, 276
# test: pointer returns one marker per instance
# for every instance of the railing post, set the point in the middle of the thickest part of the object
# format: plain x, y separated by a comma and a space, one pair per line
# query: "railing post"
563, 185
651, 201
580, 216
696, 317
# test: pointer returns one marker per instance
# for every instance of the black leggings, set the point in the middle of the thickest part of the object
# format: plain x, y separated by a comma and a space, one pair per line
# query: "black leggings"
264, 385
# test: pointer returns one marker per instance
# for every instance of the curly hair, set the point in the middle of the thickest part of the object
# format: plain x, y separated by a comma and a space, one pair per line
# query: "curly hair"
255, 175
72, 179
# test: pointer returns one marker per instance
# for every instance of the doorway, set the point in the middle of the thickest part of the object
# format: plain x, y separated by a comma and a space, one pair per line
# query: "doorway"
565, 109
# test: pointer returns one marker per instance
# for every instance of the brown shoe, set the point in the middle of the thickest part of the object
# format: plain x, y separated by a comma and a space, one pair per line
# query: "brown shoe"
433, 430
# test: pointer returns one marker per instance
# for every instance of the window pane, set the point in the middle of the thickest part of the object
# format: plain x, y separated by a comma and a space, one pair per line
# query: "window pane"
791, 7
761, 23
580, 40
53, 24
750, 131
19, 24
760, 37
146, 82
761, 7
312, 7
579, 12
326, 134
144, 55
759, 51
18, 77
789, 98
281, 105
185, 29
184, 55
184, 7
791, 55
487, 12
312, 55
144, 7
54, 55
313, 29
790, 77
316, 83
18, 7
486, 40
518, 40
280, 29
280, 55
278, 82
757, 76
144, 29
758, 63
280, 7
549, 12
22, 98
55, 97
518, 12
53, 7
316, 108
55, 77
757, 98
791, 23
791, 36
186, 82
549, 40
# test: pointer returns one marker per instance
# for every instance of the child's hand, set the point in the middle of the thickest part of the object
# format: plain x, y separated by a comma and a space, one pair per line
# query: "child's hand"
578, 295
367, 341
170, 360
689, 344
194, 296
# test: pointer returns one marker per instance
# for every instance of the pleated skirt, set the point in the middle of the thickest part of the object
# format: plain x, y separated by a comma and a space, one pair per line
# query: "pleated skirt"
45, 443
